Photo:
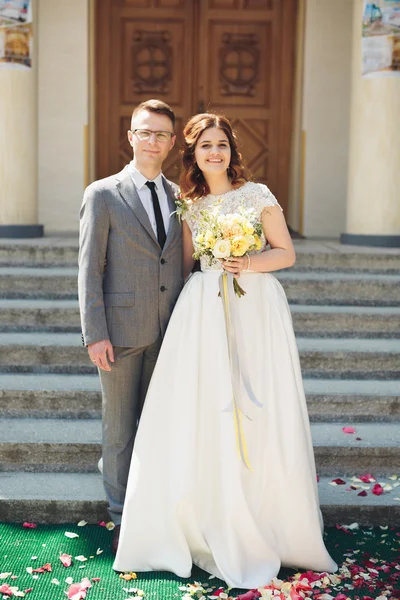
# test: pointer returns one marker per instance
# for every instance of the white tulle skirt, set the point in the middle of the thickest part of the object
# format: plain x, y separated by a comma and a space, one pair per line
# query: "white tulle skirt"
190, 498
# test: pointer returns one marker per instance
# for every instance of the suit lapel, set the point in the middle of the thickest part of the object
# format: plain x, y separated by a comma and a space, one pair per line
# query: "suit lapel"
174, 226
129, 194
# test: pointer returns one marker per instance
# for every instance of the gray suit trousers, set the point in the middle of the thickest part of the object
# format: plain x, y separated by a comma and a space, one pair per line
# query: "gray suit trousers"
124, 390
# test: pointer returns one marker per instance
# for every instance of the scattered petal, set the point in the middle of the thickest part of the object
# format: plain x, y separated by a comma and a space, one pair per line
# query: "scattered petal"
99, 551
55, 581
377, 489
29, 525
128, 576
367, 478
110, 526
363, 493
82, 523
348, 430
66, 560
337, 481
81, 558
70, 534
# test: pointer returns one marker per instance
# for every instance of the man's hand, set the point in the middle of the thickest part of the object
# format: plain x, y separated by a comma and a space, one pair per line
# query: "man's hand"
100, 353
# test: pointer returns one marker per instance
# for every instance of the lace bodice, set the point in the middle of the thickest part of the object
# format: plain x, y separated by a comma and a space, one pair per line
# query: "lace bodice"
250, 195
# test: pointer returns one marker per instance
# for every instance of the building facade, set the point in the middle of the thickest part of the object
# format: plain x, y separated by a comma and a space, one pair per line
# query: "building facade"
288, 73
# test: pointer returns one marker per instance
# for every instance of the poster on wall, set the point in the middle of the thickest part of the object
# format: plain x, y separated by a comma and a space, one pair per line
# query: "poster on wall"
16, 39
381, 39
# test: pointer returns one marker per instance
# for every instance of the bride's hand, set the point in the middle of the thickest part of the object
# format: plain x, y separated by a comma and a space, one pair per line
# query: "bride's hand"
235, 264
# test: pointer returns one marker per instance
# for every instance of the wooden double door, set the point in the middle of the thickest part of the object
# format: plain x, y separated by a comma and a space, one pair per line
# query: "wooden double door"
229, 56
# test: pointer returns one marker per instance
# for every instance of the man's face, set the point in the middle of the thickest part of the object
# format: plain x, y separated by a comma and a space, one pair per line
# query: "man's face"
150, 152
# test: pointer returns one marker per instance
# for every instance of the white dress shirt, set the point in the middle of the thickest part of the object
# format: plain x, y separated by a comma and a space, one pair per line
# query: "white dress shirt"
145, 196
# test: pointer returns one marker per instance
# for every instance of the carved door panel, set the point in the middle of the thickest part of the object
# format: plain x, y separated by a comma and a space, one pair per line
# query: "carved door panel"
231, 56
144, 50
246, 71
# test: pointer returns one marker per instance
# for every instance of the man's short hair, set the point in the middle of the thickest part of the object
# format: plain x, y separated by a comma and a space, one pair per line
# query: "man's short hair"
155, 106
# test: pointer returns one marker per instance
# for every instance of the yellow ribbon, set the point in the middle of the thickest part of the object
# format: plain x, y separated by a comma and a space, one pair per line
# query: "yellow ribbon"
237, 413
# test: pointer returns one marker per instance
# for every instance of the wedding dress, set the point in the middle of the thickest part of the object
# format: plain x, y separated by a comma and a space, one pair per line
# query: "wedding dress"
190, 497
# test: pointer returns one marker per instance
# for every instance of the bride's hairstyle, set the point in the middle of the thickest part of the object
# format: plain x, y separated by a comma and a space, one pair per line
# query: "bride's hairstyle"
192, 182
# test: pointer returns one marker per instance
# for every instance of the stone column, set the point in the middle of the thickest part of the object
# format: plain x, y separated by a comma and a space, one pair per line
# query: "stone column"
373, 200
18, 150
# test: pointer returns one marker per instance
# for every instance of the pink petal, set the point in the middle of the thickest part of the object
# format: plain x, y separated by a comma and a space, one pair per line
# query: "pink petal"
348, 429
95, 578
377, 489
29, 525
367, 478
102, 523
75, 591
66, 560
6, 589
338, 481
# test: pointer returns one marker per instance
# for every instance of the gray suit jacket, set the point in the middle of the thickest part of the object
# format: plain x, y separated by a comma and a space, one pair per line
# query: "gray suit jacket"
127, 284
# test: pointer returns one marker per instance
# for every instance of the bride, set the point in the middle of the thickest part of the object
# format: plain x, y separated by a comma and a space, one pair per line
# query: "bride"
191, 496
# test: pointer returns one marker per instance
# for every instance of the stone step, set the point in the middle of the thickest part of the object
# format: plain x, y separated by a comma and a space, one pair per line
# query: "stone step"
349, 358
320, 358
78, 397
70, 445
358, 289
70, 497
54, 282
309, 321
50, 396
311, 255
330, 400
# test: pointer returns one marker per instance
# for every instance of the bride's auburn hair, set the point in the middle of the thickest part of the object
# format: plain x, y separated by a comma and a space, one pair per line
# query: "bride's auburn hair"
192, 181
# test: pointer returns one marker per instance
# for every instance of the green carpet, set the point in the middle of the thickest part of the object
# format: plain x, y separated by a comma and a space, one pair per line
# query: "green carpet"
19, 547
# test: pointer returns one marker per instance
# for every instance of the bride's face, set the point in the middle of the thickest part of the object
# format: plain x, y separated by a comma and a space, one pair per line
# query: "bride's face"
213, 152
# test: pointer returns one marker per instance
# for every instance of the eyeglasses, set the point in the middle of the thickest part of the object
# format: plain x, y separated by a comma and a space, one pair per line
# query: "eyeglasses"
145, 134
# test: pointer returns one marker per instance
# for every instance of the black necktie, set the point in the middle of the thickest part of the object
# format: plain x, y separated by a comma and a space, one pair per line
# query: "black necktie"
161, 235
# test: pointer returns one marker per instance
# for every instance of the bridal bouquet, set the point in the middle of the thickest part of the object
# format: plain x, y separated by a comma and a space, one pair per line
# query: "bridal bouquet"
222, 236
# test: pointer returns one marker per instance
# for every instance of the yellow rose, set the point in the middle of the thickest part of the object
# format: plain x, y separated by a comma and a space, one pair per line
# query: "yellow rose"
248, 228
239, 245
209, 239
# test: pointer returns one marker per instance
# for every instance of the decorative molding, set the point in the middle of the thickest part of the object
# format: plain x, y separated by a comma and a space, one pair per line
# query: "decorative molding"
152, 62
239, 64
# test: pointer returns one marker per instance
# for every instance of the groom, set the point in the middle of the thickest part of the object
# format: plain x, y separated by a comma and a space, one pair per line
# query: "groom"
130, 276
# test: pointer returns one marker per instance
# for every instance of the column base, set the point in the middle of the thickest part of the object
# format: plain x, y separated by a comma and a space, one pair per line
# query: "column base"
384, 241
21, 231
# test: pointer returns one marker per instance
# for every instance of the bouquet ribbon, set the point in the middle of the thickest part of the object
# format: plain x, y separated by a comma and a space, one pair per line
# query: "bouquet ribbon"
239, 371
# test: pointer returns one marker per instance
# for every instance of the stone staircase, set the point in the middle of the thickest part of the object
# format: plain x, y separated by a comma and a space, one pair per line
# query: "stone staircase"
346, 311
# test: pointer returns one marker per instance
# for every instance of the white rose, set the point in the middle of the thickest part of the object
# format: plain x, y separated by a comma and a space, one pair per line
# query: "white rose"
222, 249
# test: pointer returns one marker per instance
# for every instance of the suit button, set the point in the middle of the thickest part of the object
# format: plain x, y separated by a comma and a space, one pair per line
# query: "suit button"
163, 261
163, 288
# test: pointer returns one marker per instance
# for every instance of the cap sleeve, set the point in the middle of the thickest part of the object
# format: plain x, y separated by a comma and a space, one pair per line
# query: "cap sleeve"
266, 198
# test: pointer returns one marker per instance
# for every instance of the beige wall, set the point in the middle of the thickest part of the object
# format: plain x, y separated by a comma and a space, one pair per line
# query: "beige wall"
63, 110
326, 108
